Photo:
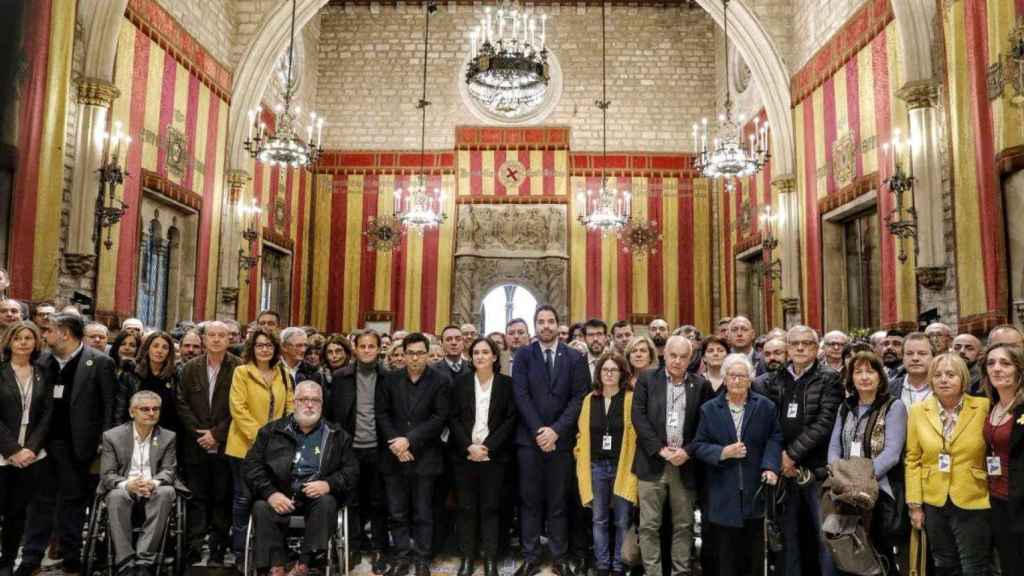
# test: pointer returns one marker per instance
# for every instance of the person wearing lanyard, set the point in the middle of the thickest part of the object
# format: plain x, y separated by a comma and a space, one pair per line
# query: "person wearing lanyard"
947, 484
25, 407
605, 446
872, 423
1002, 369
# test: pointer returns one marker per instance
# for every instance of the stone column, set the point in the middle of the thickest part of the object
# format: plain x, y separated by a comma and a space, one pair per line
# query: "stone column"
95, 97
789, 243
921, 97
230, 242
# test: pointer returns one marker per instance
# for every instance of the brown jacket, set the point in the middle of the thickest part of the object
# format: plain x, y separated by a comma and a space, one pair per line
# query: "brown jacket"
195, 408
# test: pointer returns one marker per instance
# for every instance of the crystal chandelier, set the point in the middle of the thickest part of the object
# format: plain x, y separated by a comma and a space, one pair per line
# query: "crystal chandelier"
420, 208
728, 155
604, 209
285, 146
508, 66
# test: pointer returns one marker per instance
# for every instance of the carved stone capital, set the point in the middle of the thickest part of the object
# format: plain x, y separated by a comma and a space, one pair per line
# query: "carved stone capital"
790, 305
919, 94
931, 277
229, 294
784, 184
237, 179
78, 265
95, 92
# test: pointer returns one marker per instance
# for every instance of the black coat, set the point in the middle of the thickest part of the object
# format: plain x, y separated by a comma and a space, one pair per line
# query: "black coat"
1016, 465
417, 412
649, 407
341, 402
501, 417
817, 396
443, 366
167, 388
91, 409
268, 465
40, 410
196, 410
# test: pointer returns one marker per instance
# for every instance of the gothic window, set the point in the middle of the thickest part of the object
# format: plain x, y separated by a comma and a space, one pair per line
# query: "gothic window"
154, 268
504, 303
863, 296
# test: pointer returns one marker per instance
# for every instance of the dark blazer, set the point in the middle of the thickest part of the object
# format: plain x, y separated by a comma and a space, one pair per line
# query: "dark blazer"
40, 410
341, 402
649, 406
269, 463
542, 401
501, 417
116, 456
1016, 466
92, 400
443, 366
730, 485
195, 410
417, 412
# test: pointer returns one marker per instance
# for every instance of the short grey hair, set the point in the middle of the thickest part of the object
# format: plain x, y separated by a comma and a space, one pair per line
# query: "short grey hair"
737, 358
141, 395
801, 329
99, 325
289, 332
835, 333
313, 384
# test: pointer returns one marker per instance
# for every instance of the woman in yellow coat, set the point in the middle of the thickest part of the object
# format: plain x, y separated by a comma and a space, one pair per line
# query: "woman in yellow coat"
947, 481
604, 458
261, 391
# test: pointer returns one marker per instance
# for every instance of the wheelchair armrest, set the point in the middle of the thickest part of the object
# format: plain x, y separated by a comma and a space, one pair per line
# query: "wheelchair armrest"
182, 490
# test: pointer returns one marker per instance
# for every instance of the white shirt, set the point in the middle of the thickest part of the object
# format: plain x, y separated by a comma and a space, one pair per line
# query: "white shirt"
140, 464
483, 406
212, 370
911, 395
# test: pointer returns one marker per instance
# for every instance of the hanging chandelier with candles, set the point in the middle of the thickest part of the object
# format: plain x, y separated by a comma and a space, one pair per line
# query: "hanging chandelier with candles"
603, 209
285, 145
508, 67
728, 154
420, 208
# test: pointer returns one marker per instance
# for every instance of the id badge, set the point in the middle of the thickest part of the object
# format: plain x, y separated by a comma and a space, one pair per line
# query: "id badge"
856, 450
58, 392
606, 442
995, 468
673, 420
792, 410
945, 462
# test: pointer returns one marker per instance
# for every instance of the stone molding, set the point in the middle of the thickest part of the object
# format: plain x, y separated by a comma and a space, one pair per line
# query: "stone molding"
520, 231
475, 276
919, 94
78, 265
96, 92
931, 277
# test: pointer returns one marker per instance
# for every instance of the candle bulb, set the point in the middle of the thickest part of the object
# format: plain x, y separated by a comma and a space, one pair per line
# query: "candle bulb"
252, 120
543, 31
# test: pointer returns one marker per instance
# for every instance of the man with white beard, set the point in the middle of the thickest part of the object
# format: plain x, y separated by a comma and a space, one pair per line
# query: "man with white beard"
299, 465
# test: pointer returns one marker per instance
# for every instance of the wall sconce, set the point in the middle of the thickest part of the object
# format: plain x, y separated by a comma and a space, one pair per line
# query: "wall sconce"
769, 242
902, 222
250, 215
109, 208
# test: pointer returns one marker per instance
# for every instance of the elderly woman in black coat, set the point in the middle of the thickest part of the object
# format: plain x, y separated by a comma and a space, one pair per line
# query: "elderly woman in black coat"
740, 444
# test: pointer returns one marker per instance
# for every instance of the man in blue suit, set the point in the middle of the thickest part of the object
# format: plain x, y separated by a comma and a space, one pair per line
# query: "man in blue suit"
550, 380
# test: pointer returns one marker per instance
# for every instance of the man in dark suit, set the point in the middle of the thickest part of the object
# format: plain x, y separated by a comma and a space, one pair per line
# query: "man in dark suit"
203, 391
83, 408
412, 407
666, 411
351, 406
550, 380
453, 365
137, 470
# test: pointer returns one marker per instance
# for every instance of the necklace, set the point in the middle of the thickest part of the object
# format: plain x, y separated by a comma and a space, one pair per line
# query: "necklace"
998, 415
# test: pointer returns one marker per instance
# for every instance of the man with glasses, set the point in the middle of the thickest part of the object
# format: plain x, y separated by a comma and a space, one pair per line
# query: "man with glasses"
293, 355
807, 394
941, 336
411, 409
834, 342
300, 465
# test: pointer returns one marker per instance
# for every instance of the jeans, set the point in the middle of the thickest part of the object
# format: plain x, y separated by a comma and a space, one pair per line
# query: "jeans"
958, 540
602, 479
241, 504
803, 505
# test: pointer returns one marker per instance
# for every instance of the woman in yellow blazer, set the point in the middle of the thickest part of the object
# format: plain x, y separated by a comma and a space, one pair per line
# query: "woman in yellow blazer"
605, 447
261, 391
947, 482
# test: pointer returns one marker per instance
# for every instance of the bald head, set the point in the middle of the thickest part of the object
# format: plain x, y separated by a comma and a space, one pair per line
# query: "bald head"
741, 334
678, 351
1006, 334
968, 347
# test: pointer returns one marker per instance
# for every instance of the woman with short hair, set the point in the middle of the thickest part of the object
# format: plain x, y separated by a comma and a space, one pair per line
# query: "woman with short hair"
713, 351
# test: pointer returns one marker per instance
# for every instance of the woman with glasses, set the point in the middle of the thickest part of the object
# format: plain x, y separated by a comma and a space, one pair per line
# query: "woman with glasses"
872, 424
740, 444
155, 370
261, 391
26, 403
947, 480
605, 445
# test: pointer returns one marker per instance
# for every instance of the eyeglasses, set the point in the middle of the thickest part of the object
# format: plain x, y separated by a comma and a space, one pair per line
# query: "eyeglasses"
737, 377
264, 346
148, 409
309, 401
834, 344
610, 371
415, 353
803, 343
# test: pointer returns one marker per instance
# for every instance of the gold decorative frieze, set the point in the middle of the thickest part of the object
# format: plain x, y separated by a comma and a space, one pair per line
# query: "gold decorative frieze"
95, 92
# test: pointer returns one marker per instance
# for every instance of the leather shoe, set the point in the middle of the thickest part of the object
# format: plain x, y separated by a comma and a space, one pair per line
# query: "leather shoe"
528, 568
490, 567
466, 566
422, 569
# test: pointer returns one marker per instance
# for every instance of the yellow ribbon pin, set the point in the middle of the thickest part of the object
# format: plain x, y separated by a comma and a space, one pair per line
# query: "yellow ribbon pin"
316, 450
1021, 420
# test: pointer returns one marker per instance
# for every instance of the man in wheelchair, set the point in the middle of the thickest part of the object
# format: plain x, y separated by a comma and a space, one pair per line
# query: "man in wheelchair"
137, 467
300, 465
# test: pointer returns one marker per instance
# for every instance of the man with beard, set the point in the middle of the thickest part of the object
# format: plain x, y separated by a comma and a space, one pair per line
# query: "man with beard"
941, 336
352, 407
774, 359
968, 347
658, 331
595, 336
300, 465
549, 380
622, 333
191, 346
912, 385
890, 350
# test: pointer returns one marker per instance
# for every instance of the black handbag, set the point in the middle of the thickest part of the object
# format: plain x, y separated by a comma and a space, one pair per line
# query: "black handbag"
894, 517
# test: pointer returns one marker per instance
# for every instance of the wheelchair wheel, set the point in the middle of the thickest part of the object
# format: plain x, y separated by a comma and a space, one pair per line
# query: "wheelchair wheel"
248, 567
92, 534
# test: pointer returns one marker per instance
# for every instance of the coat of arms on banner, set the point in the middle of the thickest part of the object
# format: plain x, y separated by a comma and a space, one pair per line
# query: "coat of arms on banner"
843, 160
512, 173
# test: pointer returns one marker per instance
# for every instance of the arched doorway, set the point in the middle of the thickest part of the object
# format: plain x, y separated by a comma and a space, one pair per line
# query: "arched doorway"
503, 303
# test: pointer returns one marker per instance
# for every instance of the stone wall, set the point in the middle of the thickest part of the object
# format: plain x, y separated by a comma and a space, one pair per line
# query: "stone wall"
817, 21
211, 22
661, 74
